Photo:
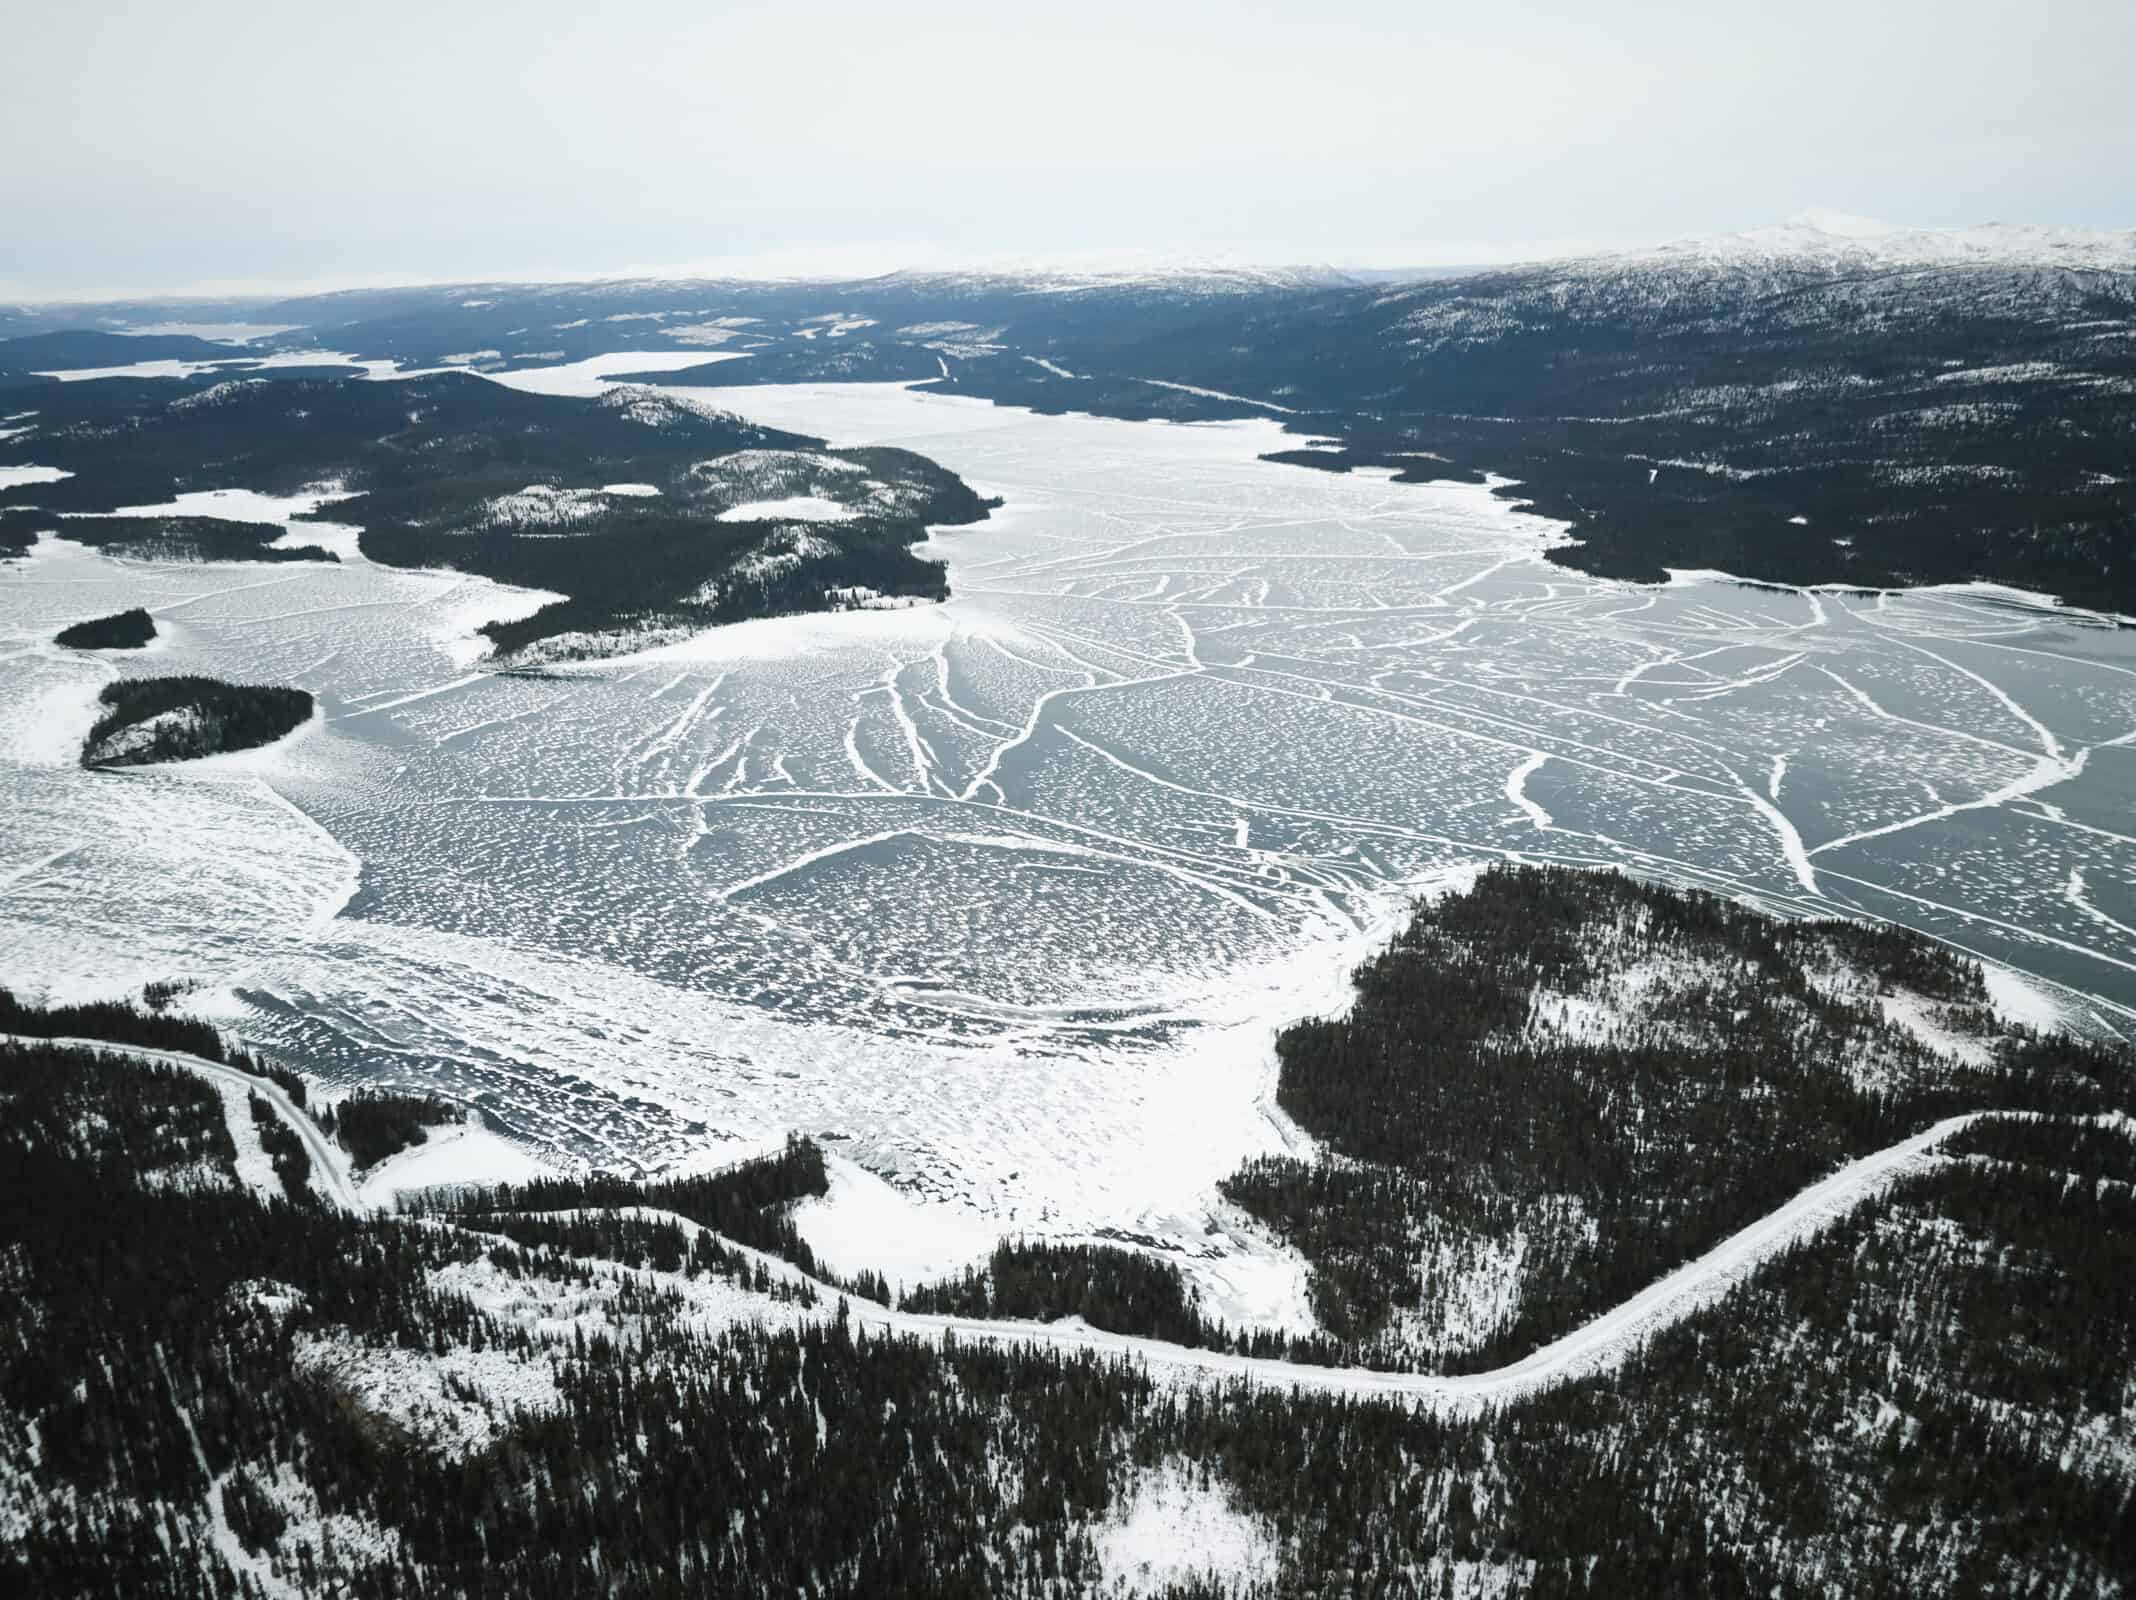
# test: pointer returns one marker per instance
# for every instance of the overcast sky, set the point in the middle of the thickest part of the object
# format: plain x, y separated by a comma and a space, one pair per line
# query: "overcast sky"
166, 145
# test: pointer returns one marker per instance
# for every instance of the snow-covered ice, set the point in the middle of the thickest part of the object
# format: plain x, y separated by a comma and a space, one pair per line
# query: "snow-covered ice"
1011, 892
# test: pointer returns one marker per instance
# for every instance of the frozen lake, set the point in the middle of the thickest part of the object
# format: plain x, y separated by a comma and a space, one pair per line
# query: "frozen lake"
1008, 893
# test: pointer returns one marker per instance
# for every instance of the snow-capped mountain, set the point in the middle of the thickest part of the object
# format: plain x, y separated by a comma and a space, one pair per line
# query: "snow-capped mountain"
1838, 241
1114, 270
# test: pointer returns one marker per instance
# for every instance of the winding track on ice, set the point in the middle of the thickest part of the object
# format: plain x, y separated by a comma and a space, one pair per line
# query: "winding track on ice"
1601, 1345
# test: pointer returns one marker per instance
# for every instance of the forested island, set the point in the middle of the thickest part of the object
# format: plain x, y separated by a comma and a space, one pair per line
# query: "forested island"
143, 721
650, 516
130, 629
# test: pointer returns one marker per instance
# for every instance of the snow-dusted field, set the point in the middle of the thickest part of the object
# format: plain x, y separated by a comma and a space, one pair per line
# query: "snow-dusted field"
1008, 894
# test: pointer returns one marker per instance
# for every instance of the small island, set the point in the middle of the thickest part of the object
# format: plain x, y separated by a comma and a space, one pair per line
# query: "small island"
124, 630
150, 720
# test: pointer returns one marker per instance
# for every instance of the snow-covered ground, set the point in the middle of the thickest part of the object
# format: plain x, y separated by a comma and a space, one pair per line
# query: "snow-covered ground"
470, 1153
791, 508
248, 505
1011, 892
422, 1388
1179, 1525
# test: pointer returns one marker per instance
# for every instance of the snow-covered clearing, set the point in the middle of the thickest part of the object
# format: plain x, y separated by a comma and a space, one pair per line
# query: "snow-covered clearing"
1218, 394
13, 477
469, 1153
456, 1403
1178, 1525
793, 508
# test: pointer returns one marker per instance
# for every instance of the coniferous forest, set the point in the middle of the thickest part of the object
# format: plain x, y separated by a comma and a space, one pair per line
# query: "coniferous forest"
202, 1387
211, 1382
142, 721
645, 515
126, 630
1556, 1087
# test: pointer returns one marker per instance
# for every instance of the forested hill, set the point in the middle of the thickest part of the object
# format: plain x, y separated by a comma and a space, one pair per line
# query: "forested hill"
1795, 414
213, 1384
649, 515
1557, 1086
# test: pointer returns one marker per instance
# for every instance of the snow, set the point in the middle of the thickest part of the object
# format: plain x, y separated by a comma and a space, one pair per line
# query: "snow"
329, 1175
793, 508
249, 505
1059, 854
788, 638
540, 505
865, 1223
1603, 1344
1220, 394
589, 377
633, 490
1834, 240
255, 1167
456, 1403
16, 477
466, 1153
52, 726
1177, 1525
238, 363
1921, 1018
140, 735
2023, 1000
1081, 271
216, 332
454, 619
311, 1531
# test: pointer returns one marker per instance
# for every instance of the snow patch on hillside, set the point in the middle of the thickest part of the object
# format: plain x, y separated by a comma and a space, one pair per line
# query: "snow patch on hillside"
469, 1153
793, 508
2017, 998
15, 477
455, 1404
1178, 1525
1832, 239
866, 1223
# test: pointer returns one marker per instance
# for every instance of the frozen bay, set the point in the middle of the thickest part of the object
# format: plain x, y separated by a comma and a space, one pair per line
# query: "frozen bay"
1008, 893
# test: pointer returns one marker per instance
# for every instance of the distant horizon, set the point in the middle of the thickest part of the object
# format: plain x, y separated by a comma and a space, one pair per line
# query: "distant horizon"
845, 264
226, 149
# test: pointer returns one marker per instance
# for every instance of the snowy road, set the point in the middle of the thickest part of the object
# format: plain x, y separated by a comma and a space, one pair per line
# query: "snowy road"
330, 1177
1601, 1345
